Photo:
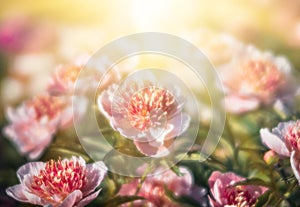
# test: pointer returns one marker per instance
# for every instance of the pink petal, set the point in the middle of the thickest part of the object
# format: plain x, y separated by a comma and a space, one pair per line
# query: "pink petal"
88, 199
16, 192
32, 198
95, 174
274, 142
31, 168
146, 148
105, 99
72, 199
181, 123
236, 104
295, 164
129, 188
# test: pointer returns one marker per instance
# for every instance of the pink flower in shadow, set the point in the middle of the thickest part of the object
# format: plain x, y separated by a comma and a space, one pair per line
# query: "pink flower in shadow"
62, 183
253, 78
284, 140
153, 189
225, 193
148, 114
33, 124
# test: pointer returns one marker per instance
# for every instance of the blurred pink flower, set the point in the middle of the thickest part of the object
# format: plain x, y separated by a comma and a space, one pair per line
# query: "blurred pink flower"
148, 114
33, 124
253, 78
19, 33
62, 183
226, 194
153, 189
63, 80
284, 140
66, 77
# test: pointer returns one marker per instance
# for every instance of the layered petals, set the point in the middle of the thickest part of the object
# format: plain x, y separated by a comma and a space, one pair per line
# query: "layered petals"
62, 183
226, 193
148, 114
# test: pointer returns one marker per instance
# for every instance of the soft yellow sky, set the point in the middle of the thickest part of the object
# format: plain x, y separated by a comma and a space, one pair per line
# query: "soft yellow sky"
255, 21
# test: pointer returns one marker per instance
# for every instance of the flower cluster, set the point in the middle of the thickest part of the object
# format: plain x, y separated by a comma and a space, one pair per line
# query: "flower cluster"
152, 120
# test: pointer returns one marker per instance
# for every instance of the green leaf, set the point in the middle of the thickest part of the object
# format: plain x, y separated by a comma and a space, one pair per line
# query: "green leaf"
176, 170
263, 199
253, 181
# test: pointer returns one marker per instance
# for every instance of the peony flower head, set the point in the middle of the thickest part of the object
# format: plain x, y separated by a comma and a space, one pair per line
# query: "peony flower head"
149, 114
253, 78
66, 77
33, 124
18, 33
284, 138
153, 188
68, 182
285, 141
225, 193
63, 80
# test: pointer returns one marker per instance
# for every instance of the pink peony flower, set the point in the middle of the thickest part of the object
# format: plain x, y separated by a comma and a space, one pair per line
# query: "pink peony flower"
253, 78
67, 76
63, 80
147, 113
19, 34
226, 194
284, 140
33, 124
153, 189
62, 183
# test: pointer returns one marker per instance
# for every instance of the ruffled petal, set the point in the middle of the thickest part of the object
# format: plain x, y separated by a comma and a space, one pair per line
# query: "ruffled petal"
274, 142
88, 199
31, 168
295, 164
16, 192
72, 199
95, 174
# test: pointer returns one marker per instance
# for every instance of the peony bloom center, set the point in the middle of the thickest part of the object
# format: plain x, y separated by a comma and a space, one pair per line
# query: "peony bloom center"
262, 76
240, 197
292, 136
46, 105
58, 179
149, 107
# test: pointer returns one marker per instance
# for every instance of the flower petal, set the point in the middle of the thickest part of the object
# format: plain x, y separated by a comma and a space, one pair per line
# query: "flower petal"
72, 199
95, 174
295, 164
236, 104
16, 192
274, 142
88, 199
31, 168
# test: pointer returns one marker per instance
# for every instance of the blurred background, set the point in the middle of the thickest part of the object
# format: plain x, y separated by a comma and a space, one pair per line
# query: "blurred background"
36, 36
